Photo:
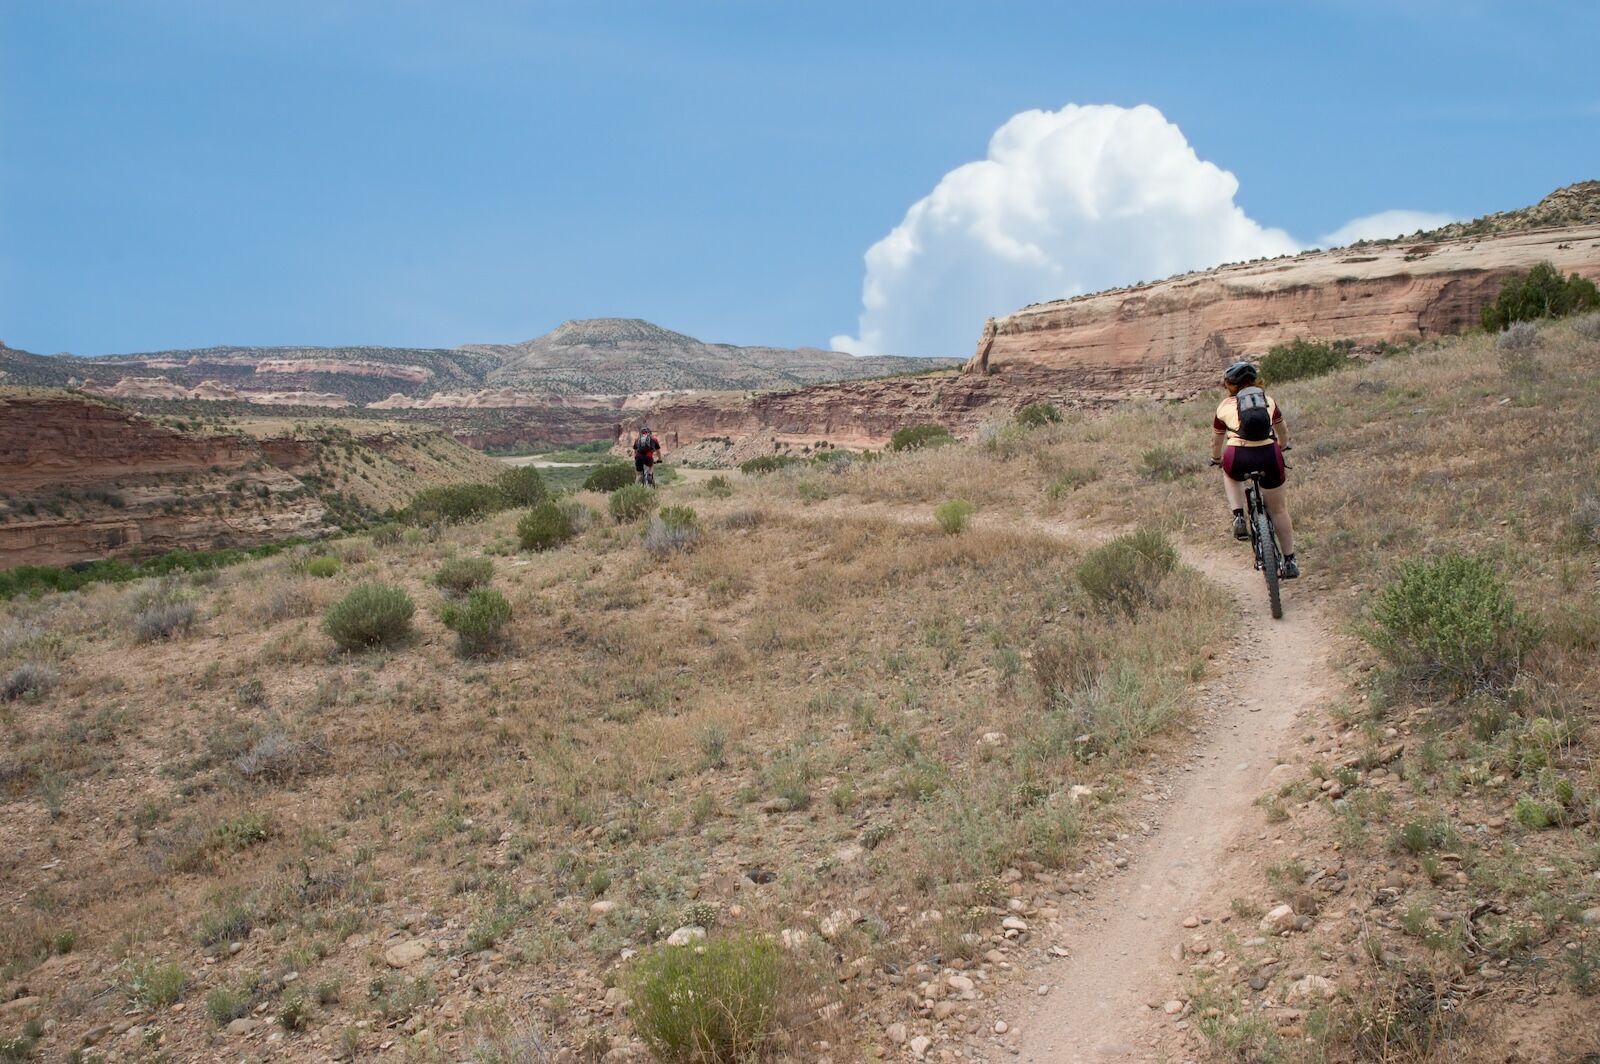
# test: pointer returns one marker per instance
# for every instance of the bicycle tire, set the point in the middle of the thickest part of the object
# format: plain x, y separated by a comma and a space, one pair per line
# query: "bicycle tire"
1269, 563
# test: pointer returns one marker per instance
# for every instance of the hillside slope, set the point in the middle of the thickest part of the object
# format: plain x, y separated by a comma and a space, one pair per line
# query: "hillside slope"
81, 479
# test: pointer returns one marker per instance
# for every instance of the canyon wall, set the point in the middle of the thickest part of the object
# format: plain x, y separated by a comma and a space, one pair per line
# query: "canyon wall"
1170, 339
80, 480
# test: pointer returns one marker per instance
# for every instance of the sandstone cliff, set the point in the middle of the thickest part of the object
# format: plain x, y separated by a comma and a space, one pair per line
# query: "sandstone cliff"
1169, 339
81, 479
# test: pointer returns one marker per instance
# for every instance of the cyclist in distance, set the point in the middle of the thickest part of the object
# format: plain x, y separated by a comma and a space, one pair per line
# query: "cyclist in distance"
1249, 436
646, 453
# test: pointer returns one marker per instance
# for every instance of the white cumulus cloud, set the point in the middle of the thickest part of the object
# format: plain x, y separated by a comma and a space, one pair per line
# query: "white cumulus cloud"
1067, 201
1383, 225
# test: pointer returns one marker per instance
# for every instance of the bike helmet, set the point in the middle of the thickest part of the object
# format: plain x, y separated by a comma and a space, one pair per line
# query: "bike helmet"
1241, 373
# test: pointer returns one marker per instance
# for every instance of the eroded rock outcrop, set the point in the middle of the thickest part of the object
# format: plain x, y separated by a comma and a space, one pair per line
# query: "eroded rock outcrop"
1171, 337
84, 480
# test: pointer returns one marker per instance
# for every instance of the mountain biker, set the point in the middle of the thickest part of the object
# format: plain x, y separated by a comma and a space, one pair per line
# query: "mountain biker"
1249, 436
646, 453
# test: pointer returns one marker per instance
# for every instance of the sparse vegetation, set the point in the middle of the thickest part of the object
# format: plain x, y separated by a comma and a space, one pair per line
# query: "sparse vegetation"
631, 503
28, 680
953, 516
918, 437
609, 477
1127, 573
478, 622
1037, 415
545, 527
717, 1003
1540, 293
371, 615
1450, 623
674, 529
322, 568
1301, 359
767, 463
521, 486
461, 575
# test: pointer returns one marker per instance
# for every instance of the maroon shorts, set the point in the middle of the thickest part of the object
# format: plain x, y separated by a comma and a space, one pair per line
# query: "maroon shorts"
1240, 462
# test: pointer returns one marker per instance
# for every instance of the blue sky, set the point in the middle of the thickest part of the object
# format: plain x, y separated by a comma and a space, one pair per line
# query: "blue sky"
178, 173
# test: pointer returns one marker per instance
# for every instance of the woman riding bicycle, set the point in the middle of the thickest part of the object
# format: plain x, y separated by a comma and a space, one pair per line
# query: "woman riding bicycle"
1250, 437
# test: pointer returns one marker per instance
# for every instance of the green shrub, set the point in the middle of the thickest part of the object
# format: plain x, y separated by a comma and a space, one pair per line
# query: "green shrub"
1168, 464
713, 1004
952, 515
521, 486
224, 1004
155, 986
718, 487
1037, 415
1449, 624
916, 437
1540, 293
28, 680
766, 463
454, 503
609, 477
1535, 815
545, 526
322, 568
371, 615
386, 534
477, 622
631, 503
674, 529
1299, 359
460, 575
1126, 573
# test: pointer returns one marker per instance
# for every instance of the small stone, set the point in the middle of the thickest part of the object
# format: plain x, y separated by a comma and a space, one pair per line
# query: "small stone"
920, 1046
1590, 918
1173, 1007
1000, 1027
685, 935
993, 738
896, 1033
405, 954
1191, 921
243, 1025
960, 984
1014, 923
1279, 921
600, 910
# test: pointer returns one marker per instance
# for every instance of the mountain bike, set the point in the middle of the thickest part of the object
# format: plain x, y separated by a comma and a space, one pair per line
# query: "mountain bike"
647, 476
1264, 541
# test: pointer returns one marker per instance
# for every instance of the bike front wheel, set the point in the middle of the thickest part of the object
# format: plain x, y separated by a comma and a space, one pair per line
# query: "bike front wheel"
1267, 545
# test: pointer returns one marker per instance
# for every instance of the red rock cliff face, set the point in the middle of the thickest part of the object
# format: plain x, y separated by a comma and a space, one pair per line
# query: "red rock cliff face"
83, 481
1169, 339
65, 442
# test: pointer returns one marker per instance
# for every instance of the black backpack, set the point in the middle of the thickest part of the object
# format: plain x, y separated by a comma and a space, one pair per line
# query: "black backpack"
1255, 416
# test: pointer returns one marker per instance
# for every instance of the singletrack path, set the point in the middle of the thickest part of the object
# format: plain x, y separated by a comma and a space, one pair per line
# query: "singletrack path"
1208, 847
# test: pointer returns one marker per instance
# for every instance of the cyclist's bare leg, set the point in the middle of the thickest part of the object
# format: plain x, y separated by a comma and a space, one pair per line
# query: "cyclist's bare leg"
1277, 500
1234, 489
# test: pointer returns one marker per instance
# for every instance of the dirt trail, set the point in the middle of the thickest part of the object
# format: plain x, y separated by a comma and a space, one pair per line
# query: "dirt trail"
1206, 849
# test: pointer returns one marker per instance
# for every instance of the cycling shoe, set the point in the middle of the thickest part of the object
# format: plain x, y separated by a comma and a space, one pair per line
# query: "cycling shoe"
1239, 529
1291, 569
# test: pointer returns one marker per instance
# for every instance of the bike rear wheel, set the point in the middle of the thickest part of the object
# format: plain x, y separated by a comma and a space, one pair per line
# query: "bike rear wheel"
1268, 547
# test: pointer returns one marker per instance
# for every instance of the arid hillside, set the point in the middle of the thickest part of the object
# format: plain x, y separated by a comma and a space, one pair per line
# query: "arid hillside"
82, 479
929, 753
